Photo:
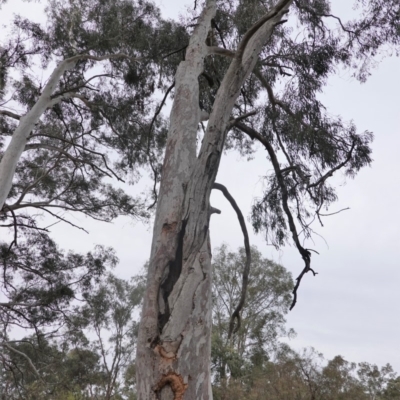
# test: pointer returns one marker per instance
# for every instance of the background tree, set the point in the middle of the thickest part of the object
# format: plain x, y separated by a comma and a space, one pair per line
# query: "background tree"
262, 317
254, 363
91, 358
40, 285
306, 375
109, 314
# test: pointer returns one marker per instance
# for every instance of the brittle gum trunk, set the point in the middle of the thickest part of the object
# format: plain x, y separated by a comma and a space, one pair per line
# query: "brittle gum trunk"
174, 346
175, 326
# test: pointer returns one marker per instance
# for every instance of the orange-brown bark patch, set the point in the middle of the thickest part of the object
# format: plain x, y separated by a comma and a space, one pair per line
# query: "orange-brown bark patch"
170, 355
176, 383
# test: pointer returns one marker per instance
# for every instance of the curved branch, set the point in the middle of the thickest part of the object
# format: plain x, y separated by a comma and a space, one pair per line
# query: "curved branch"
24, 356
14, 242
10, 114
76, 88
246, 269
305, 253
274, 101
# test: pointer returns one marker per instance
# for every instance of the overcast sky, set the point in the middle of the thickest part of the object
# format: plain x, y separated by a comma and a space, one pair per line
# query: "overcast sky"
351, 307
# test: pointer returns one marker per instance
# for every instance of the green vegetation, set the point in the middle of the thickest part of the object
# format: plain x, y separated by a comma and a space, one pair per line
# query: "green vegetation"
92, 357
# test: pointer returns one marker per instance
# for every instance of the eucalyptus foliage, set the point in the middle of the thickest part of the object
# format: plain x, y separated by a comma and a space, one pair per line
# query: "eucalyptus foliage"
262, 317
90, 354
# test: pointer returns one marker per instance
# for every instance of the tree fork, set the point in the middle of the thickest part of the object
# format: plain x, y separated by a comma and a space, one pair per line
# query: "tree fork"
182, 346
184, 327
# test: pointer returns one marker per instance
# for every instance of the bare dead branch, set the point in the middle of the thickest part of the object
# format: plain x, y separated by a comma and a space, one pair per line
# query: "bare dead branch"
246, 270
334, 213
61, 218
161, 106
174, 52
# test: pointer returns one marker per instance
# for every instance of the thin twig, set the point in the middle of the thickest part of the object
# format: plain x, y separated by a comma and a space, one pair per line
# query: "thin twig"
337, 212
161, 106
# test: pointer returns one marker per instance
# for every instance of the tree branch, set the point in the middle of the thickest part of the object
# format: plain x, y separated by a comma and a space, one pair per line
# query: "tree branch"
161, 106
246, 269
221, 51
24, 356
250, 33
14, 150
62, 139
10, 114
72, 158
305, 254
241, 117
334, 169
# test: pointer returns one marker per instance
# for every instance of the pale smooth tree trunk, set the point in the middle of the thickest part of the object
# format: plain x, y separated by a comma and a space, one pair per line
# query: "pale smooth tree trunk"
27, 122
11, 156
174, 345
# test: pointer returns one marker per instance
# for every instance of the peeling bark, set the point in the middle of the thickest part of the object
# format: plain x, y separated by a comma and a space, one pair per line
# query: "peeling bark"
174, 345
176, 384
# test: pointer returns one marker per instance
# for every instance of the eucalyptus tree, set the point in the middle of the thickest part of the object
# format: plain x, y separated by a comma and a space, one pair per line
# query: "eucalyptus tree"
108, 314
253, 78
41, 287
262, 319
252, 69
91, 121
65, 138
89, 353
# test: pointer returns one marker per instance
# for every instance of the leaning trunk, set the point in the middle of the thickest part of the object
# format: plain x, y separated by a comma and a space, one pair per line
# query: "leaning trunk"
11, 156
174, 345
